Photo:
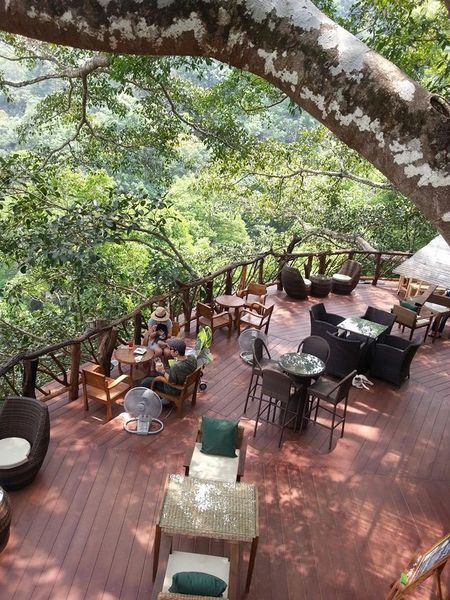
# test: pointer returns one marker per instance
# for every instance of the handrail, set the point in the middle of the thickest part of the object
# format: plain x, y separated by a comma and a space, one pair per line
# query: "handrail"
264, 267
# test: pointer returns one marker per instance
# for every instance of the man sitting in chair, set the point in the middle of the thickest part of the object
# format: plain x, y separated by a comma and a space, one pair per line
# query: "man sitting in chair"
177, 373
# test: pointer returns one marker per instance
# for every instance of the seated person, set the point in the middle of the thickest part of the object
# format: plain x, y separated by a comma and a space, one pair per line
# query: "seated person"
177, 373
159, 331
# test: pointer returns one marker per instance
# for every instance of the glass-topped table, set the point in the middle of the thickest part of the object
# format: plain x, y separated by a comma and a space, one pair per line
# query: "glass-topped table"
212, 509
302, 367
362, 327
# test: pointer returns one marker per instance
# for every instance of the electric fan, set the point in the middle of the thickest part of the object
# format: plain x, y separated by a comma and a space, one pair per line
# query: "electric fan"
246, 343
144, 406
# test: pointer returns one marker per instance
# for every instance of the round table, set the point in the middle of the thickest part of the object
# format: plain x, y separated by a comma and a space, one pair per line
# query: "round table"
302, 367
125, 355
5, 518
228, 301
320, 285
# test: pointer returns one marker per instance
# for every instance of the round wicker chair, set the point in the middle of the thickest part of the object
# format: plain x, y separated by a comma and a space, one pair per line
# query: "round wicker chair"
293, 283
25, 418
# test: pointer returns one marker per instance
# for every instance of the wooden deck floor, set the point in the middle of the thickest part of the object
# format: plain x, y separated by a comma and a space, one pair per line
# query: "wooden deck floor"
338, 525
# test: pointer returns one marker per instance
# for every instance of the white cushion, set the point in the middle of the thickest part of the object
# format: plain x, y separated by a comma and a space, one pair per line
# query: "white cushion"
188, 561
217, 468
340, 277
307, 281
14, 452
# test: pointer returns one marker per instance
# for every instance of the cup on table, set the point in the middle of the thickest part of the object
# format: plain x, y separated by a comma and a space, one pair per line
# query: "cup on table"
130, 344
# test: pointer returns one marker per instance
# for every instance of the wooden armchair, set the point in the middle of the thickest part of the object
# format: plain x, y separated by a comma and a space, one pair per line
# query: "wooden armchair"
207, 317
255, 292
97, 386
217, 468
410, 319
187, 390
258, 317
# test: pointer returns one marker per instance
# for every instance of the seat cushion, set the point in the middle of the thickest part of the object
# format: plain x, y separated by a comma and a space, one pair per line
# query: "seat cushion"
219, 436
216, 468
197, 584
409, 305
188, 561
340, 277
14, 452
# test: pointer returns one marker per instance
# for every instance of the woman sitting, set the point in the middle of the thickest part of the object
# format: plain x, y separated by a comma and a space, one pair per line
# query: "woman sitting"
159, 331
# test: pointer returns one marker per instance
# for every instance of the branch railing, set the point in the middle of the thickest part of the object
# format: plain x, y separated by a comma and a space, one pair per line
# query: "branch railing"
55, 369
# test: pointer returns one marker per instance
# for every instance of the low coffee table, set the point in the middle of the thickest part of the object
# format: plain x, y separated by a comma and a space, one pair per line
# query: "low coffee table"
320, 285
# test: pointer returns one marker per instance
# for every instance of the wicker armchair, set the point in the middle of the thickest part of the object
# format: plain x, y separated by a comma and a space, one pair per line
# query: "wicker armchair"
346, 355
293, 283
391, 359
345, 281
323, 321
25, 418
380, 316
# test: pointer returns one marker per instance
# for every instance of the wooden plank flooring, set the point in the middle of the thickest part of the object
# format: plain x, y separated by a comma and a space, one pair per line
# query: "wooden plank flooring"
338, 525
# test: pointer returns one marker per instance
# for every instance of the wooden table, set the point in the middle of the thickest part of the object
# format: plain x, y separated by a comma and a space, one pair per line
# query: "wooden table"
229, 301
439, 312
211, 509
363, 327
302, 367
125, 355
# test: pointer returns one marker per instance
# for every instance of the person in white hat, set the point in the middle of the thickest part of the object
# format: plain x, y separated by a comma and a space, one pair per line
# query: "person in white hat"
159, 331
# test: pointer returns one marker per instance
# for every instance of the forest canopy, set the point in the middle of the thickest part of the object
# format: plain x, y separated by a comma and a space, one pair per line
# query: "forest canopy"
123, 174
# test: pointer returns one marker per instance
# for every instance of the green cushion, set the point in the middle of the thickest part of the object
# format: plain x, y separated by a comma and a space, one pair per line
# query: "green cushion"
197, 584
409, 305
219, 436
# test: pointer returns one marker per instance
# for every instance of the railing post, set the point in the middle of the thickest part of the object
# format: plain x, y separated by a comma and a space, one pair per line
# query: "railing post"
187, 308
351, 254
308, 266
138, 328
74, 371
29, 377
228, 283
261, 271
322, 263
209, 291
377, 269
281, 263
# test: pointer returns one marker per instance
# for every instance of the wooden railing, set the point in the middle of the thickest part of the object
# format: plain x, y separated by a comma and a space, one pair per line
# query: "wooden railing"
55, 369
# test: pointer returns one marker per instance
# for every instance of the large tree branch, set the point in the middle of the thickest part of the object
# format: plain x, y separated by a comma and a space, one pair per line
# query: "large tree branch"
363, 98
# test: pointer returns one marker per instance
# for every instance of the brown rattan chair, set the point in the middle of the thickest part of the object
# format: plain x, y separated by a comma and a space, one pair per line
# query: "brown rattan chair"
293, 283
186, 391
254, 292
25, 418
261, 360
325, 395
323, 321
208, 318
237, 468
345, 281
316, 346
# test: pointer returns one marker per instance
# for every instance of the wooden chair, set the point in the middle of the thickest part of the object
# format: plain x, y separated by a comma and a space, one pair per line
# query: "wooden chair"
97, 386
326, 395
411, 320
216, 468
258, 317
255, 292
206, 316
187, 390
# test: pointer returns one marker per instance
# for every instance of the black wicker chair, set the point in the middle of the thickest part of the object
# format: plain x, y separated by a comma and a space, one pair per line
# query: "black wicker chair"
346, 355
293, 283
391, 359
351, 270
323, 321
25, 418
380, 316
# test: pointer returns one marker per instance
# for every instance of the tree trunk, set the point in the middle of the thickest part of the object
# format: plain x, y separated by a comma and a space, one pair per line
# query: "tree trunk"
30, 377
74, 371
364, 99
105, 350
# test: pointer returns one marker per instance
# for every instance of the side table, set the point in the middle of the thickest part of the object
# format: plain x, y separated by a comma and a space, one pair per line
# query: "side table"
320, 285
5, 518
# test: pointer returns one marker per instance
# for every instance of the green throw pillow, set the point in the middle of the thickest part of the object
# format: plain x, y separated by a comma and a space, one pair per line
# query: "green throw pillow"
197, 584
409, 305
219, 436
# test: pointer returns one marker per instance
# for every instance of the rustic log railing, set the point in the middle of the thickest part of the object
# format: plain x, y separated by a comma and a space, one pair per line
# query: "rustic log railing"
54, 369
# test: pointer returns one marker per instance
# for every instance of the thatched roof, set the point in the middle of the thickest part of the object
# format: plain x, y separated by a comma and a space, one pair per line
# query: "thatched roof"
431, 263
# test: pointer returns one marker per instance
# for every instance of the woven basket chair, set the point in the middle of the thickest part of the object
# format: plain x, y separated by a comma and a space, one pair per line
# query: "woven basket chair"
25, 418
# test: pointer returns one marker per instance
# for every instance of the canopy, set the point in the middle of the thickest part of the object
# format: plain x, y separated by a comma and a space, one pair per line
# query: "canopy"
431, 263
